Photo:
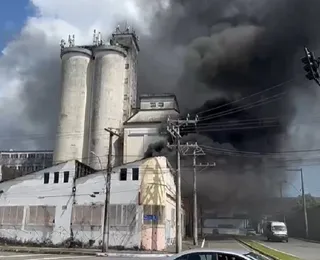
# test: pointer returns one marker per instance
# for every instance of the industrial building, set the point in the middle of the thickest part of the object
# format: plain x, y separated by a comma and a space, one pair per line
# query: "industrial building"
26, 161
69, 201
99, 90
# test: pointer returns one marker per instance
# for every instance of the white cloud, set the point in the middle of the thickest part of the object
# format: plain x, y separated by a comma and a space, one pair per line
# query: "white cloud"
29, 65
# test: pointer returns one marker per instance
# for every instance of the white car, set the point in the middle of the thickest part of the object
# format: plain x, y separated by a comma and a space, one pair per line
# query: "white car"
215, 254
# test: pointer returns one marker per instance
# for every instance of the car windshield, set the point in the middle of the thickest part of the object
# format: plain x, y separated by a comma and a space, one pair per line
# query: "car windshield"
279, 228
255, 256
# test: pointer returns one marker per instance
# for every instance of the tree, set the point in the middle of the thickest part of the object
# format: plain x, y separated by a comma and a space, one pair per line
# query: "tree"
311, 202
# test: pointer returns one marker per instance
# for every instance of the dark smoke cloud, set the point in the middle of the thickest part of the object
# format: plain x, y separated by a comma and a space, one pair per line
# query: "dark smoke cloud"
219, 51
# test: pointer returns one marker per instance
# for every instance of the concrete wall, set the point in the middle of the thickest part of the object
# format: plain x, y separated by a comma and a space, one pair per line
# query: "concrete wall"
71, 131
108, 100
137, 140
22, 194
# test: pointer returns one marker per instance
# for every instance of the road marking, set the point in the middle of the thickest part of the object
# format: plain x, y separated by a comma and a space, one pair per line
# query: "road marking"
263, 244
12, 256
58, 257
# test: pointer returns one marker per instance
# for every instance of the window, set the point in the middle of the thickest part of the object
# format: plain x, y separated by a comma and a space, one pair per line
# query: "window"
14, 156
127, 66
66, 177
153, 104
29, 168
123, 174
31, 155
41, 215
23, 156
5, 156
135, 174
222, 256
46, 178
85, 215
11, 215
40, 155
49, 156
56, 177
198, 256
160, 104
123, 215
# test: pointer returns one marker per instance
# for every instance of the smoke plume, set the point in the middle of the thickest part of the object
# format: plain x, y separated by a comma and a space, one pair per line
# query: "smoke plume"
209, 53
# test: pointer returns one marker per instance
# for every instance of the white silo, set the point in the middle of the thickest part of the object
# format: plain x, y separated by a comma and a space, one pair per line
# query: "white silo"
72, 132
108, 100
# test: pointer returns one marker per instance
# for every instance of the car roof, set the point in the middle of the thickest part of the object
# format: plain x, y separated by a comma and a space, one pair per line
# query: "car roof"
277, 223
212, 250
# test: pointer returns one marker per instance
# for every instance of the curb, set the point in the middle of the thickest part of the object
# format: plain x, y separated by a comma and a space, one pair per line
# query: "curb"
44, 251
131, 255
257, 250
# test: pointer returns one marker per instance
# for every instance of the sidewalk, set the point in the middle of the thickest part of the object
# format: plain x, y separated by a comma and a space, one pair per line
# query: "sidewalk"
95, 252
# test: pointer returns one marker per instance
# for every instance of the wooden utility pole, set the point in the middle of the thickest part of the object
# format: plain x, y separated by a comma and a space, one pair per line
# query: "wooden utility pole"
197, 151
173, 127
106, 217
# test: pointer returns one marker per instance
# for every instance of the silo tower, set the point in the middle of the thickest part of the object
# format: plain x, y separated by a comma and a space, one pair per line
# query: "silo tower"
72, 133
115, 93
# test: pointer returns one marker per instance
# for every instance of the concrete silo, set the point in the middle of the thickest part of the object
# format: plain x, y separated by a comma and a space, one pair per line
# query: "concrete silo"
72, 132
108, 100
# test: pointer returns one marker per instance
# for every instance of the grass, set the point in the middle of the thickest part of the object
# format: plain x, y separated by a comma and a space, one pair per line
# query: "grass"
268, 251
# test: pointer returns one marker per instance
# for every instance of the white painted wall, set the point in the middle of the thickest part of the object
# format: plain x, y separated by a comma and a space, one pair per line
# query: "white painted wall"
30, 190
69, 143
122, 192
137, 140
108, 100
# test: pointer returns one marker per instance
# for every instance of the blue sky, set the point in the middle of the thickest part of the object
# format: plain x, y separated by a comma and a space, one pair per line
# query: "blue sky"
13, 14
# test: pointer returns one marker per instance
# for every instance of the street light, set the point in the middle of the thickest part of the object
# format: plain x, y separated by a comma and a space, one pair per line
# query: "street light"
92, 152
303, 200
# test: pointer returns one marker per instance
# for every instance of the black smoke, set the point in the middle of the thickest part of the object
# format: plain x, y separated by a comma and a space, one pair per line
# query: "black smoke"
211, 53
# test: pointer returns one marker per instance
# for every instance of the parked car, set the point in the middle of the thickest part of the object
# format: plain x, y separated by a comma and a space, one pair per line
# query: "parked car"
216, 254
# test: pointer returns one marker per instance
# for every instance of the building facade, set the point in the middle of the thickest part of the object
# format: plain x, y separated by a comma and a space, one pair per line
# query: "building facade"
144, 127
66, 202
26, 161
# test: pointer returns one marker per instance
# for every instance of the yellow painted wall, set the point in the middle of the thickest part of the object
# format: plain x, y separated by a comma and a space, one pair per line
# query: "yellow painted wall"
153, 186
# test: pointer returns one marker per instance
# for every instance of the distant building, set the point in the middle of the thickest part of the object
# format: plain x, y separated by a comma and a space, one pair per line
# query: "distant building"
26, 161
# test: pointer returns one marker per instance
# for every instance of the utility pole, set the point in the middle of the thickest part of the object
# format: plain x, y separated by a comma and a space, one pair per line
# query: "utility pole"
173, 128
197, 151
106, 217
304, 204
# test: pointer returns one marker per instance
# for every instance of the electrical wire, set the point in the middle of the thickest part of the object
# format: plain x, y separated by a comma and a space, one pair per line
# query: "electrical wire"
250, 96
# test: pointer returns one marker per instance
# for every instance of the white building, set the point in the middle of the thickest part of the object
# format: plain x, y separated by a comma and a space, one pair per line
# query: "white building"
66, 202
142, 128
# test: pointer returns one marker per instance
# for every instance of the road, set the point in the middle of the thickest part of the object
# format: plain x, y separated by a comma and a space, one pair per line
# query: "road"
22, 256
301, 249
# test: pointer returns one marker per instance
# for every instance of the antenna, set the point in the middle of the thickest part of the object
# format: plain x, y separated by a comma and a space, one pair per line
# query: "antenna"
99, 39
94, 37
69, 40
73, 40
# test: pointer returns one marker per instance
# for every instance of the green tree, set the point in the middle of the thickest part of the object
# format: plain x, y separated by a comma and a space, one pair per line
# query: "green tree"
311, 202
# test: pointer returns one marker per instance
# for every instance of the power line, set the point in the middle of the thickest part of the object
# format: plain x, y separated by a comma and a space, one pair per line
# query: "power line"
250, 96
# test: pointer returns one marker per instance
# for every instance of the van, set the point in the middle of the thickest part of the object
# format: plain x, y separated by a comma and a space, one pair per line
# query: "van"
276, 231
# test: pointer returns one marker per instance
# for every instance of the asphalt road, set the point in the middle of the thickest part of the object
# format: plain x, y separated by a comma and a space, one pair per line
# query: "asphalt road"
224, 243
301, 249
22, 256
